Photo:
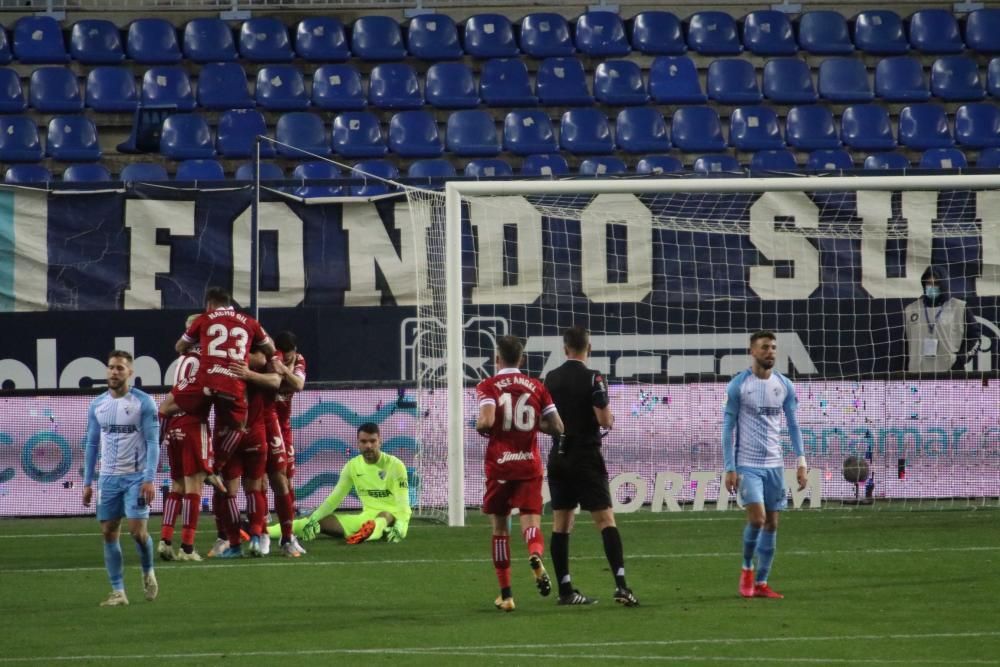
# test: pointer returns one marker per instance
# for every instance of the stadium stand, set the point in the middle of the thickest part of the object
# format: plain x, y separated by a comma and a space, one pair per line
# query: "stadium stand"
236, 136
208, 40
269, 171
72, 139
373, 187
86, 173
167, 85
505, 82
26, 173
472, 133
788, 81
733, 81
562, 82
54, 90
199, 170
223, 85
605, 165
265, 40
451, 85
11, 93
887, 160
545, 35
642, 130
153, 42
601, 34
39, 40
185, 137
585, 132
145, 172
357, 134
901, 79
433, 37
544, 164
658, 164
281, 88
713, 33
434, 168
489, 36
414, 134
317, 170
338, 87
394, 86
377, 38
619, 82
769, 33
96, 42
488, 168
321, 39
656, 33
111, 90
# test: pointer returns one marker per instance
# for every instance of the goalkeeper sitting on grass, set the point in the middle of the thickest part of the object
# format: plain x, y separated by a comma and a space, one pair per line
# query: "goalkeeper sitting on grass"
379, 481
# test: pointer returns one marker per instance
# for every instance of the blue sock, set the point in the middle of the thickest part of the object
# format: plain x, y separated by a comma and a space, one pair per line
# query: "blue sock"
145, 554
113, 563
765, 554
749, 545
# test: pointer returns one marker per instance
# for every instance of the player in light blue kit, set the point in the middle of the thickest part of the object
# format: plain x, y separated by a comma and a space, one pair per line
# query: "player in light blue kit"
122, 427
753, 458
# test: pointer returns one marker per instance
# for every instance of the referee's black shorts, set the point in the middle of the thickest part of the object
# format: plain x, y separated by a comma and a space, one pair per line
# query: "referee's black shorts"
579, 478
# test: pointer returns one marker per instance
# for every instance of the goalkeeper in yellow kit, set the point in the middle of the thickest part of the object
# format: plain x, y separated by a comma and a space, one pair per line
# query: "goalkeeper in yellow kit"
380, 483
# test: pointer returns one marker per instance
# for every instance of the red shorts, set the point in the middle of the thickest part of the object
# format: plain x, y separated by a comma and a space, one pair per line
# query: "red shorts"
229, 412
503, 496
277, 460
250, 458
189, 447
192, 402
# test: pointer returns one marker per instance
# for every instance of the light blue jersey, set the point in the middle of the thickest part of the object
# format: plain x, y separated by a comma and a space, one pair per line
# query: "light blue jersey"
125, 432
753, 414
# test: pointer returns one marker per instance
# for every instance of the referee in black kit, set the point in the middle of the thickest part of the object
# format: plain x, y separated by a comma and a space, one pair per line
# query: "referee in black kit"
577, 474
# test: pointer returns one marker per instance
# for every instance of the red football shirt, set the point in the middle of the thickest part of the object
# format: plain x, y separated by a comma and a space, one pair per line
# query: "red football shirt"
225, 336
512, 452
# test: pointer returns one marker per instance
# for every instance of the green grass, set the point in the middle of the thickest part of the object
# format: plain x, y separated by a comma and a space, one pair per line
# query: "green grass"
861, 587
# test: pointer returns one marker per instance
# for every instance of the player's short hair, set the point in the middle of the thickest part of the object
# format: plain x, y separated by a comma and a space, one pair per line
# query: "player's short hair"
576, 338
121, 354
285, 341
368, 427
510, 349
764, 333
190, 320
218, 295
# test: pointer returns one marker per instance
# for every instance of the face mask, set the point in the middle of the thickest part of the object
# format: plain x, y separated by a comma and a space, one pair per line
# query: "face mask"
932, 291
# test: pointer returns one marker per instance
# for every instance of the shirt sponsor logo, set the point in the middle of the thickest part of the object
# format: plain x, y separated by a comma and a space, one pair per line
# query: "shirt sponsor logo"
122, 428
222, 370
510, 457
769, 412
378, 493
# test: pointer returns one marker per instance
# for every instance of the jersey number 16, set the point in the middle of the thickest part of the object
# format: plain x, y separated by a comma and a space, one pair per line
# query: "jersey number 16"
522, 417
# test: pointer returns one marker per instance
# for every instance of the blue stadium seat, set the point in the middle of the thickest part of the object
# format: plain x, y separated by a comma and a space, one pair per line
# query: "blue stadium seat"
143, 172
642, 130
505, 83
696, 129
956, 79
489, 36
54, 90
358, 134
993, 77
372, 186
867, 127
889, 160
674, 80
5, 55
112, 89
713, 33
545, 35
321, 39
775, 160
544, 164
186, 137
924, 126
601, 34
86, 173
754, 128
377, 38
237, 132
733, 81
836, 158
223, 86
982, 30
199, 170
488, 168
526, 132
394, 86
769, 33
880, 31
943, 158
317, 170
38, 40
472, 133
844, 80
605, 165
11, 94
585, 132
989, 158
811, 127
824, 33
977, 125
656, 33
27, 173
96, 42
562, 82
269, 171
153, 42
935, 31
450, 86
72, 139
901, 79
281, 88
434, 168
265, 40
658, 164
414, 134
167, 85
19, 140
433, 37
715, 164
338, 87
208, 40
788, 81
619, 82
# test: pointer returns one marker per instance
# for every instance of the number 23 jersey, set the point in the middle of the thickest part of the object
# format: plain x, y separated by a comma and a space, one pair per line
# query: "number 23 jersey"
225, 336
512, 452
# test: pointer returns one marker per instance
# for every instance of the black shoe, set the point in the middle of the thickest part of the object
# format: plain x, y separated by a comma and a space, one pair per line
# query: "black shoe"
576, 598
542, 580
624, 597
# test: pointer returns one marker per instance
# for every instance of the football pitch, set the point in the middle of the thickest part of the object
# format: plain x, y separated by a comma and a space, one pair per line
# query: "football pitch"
861, 587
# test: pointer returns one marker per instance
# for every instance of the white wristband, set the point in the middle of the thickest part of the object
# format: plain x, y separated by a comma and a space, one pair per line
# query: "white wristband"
801, 462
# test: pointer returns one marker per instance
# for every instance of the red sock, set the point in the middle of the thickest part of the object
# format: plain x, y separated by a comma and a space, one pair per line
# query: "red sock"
220, 509
171, 506
286, 514
192, 509
233, 521
535, 541
256, 511
224, 441
501, 559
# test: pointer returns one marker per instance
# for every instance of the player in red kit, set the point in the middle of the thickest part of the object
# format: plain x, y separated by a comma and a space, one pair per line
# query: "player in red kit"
291, 366
512, 409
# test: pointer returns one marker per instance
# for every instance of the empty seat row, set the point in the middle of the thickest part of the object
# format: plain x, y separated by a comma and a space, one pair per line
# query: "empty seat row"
68, 139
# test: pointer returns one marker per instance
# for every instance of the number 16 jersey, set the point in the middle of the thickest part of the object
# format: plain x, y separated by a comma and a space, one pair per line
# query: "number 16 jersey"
512, 452
226, 336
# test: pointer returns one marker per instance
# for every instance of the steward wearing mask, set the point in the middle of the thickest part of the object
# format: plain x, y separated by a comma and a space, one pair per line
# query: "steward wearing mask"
941, 333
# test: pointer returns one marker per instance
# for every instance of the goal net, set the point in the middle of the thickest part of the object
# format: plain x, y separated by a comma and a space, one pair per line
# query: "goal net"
672, 276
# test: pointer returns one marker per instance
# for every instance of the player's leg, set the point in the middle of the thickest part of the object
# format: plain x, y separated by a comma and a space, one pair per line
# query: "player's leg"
751, 495
253, 490
334, 525
527, 498
277, 464
137, 513
501, 559
110, 510
230, 426
171, 509
595, 497
229, 514
564, 500
774, 502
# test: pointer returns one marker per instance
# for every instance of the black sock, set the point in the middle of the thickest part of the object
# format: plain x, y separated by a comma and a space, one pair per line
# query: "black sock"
559, 547
505, 593
616, 557
187, 548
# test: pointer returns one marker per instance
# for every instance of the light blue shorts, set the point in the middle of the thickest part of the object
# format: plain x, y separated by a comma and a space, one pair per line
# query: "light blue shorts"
118, 496
763, 485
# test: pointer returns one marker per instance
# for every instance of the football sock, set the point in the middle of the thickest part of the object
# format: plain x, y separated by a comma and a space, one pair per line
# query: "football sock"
615, 554
113, 563
501, 562
189, 517
171, 506
765, 554
380, 525
256, 511
232, 521
559, 546
286, 515
145, 549
535, 540
750, 537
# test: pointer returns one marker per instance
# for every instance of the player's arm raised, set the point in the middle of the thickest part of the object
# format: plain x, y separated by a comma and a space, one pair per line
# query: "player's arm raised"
790, 406
290, 380
257, 360
730, 419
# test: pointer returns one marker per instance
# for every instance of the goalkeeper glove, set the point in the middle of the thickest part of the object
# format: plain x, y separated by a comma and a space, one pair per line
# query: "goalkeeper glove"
392, 535
310, 530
